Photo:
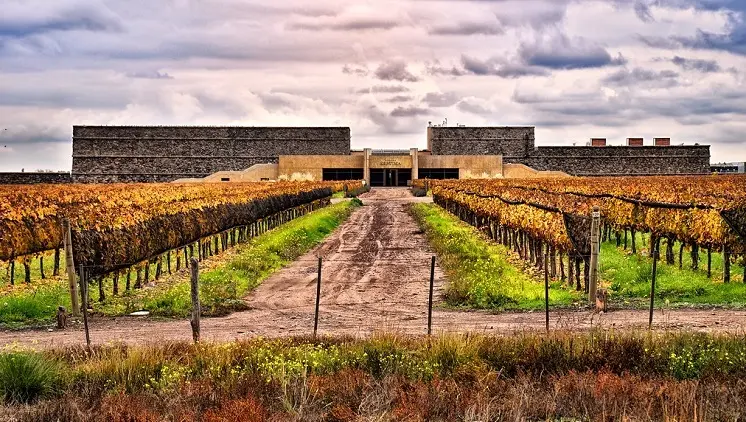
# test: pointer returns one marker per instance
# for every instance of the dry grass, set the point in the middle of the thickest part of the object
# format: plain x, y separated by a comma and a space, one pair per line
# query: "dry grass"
595, 377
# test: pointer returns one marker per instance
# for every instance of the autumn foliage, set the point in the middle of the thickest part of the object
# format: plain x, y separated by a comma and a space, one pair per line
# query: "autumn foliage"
121, 224
708, 211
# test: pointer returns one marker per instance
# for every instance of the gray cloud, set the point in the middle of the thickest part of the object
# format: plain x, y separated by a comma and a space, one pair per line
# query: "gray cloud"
366, 24
384, 89
467, 28
497, 67
399, 99
639, 76
642, 10
562, 52
409, 111
704, 66
355, 70
149, 75
20, 20
395, 70
473, 108
438, 99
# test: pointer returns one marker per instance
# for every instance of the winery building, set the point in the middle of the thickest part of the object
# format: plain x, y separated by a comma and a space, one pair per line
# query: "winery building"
206, 153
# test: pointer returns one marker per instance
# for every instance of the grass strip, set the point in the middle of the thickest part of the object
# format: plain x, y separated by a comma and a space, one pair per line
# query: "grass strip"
628, 278
481, 274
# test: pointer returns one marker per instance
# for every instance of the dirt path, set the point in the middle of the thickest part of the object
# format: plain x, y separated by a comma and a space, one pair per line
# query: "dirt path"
374, 278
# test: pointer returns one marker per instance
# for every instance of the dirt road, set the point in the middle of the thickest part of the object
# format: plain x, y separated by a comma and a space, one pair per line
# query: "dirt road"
375, 277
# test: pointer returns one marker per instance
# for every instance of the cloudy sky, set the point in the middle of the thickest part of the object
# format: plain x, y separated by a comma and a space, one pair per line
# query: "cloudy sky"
574, 69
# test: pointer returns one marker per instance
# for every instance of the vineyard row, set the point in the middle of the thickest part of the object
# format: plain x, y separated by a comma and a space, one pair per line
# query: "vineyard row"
138, 222
537, 215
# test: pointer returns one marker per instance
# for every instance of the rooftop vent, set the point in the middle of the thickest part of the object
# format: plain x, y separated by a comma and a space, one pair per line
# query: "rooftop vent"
634, 142
598, 142
662, 142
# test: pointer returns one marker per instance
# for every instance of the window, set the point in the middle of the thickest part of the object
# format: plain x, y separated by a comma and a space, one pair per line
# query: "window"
342, 174
225, 179
438, 173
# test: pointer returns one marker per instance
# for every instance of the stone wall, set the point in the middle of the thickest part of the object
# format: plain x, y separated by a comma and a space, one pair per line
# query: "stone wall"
620, 160
34, 178
506, 141
164, 153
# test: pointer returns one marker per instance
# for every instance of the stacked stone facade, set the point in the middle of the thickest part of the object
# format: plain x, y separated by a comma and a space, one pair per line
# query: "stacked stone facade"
33, 178
163, 153
516, 144
506, 141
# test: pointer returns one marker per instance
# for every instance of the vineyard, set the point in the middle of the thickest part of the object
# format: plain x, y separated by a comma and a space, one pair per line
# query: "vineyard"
550, 218
114, 227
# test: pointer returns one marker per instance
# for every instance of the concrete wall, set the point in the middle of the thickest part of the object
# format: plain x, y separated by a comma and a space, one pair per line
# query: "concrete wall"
391, 161
34, 178
166, 153
314, 164
620, 160
468, 165
506, 141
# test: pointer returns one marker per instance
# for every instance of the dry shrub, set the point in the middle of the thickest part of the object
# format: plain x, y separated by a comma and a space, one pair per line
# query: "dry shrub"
248, 410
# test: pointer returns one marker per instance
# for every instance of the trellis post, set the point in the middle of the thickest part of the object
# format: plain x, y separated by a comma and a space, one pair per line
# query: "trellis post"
70, 265
595, 223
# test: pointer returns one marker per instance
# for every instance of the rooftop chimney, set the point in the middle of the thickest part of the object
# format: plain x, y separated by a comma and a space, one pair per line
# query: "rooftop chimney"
662, 142
634, 142
598, 142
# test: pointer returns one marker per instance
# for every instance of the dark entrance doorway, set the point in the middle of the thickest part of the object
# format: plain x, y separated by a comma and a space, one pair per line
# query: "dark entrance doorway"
390, 177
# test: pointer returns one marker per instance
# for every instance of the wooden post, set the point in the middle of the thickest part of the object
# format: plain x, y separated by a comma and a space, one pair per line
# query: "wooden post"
726, 264
27, 270
84, 298
318, 297
56, 270
194, 285
70, 266
709, 262
652, 283
595, 221
41, 267
430, 299
546, 291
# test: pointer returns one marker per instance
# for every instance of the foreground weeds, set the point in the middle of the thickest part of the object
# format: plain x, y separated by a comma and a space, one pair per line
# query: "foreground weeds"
595, 376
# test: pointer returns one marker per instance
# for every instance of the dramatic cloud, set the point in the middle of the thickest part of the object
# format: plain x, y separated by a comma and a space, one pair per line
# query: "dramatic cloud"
637, 76
573, 68
467, 28
352, 25
384, 89
150, 75
410, 111
562, 52
395, 70
705, 66
399, 99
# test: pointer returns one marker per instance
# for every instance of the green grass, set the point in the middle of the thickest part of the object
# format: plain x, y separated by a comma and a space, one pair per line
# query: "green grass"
26, 377
628, 277
222, 289
479, 272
